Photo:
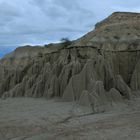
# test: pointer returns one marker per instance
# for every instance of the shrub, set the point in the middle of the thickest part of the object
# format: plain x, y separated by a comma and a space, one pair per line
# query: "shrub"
66, 41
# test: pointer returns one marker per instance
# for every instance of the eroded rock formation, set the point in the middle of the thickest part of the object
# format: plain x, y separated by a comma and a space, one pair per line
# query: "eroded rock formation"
99, 70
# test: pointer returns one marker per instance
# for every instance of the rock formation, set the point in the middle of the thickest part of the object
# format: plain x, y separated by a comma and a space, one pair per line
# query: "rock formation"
101, 69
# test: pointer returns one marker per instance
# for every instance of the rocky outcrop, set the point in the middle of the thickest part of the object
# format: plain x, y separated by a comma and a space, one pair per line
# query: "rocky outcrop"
98, 70
99, 99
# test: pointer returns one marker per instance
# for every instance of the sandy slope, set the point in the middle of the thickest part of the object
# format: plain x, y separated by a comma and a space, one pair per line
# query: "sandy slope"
40, 119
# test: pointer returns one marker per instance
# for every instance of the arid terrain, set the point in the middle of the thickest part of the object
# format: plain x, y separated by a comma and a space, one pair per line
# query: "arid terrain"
86, 89
41, 119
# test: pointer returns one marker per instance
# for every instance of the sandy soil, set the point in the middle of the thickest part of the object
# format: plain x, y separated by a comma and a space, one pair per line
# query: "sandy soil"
40, 119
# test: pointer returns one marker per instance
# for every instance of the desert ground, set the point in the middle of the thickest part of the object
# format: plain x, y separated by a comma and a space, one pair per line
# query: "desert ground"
41, 119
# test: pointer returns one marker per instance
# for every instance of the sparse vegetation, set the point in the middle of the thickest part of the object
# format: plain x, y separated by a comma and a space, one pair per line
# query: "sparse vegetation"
66, 41
63, 41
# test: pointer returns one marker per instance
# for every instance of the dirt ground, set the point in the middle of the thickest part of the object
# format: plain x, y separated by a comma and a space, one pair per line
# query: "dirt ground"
41, 119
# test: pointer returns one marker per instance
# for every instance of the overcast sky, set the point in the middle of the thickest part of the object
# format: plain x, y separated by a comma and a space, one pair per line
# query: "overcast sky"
43, 21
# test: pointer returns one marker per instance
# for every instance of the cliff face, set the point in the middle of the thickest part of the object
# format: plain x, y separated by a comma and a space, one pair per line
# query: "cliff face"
100, 69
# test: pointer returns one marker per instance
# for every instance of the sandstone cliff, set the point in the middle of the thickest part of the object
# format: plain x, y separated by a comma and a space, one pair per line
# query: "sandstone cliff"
100, 70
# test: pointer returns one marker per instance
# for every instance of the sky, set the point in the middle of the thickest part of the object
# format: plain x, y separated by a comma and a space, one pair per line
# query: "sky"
43, 21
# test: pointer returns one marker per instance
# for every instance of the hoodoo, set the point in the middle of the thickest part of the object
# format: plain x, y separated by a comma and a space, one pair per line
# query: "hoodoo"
100, 69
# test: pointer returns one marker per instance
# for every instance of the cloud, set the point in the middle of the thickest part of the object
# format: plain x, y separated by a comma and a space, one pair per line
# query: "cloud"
7, 13
128, 4
44, 21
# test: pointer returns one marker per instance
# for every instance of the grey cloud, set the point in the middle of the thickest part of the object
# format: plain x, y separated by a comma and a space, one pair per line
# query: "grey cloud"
42, 21
68, 10
127, 4
67, 4
7, 13
77, 12
8, 10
